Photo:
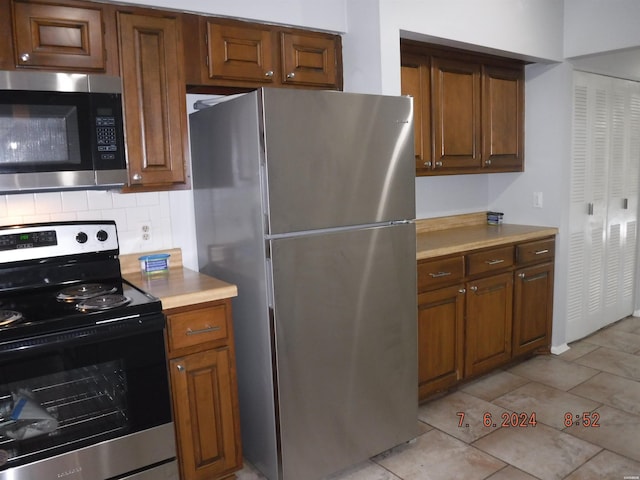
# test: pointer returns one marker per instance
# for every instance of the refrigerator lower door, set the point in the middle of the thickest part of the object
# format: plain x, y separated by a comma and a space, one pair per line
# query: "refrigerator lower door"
345, 346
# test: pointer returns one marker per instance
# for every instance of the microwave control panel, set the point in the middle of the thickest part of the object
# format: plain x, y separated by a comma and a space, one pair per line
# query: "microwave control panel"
106, 137
108, 148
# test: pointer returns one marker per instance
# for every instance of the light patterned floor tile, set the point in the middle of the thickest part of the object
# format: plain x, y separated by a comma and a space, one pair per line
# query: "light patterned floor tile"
618, 431
541, 451
552, 371
365, 471
612, 390
461, 415
606, 465
511, 473
576, 350
438, 456
618, 340
608, 360
493, 385
549, 404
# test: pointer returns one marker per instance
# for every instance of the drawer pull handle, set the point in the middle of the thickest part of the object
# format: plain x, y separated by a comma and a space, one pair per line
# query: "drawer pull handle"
439, 274
207, 329
494, 262
540, 252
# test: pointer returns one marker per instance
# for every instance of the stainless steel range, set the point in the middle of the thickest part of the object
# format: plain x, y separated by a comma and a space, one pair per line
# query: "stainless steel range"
83, 379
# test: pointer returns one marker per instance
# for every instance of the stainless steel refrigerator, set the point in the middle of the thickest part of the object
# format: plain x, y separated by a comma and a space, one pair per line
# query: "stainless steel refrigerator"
306, 201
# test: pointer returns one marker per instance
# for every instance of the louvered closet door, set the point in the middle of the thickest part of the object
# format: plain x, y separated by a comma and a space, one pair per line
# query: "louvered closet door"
603, 214
622, 196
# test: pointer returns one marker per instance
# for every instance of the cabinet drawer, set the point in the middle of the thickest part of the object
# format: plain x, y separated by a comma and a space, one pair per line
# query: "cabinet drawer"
434, 273
490, 260
536, 252
197, 326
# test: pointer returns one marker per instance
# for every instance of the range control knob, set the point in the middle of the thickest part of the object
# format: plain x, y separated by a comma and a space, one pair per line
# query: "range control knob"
102, 235
81, 237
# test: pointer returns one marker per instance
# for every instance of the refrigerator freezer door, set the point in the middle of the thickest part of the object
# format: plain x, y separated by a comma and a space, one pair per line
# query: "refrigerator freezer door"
345, 340
337, 159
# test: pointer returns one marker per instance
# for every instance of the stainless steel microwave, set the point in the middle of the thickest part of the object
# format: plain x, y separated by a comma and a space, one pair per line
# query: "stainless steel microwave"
60, 131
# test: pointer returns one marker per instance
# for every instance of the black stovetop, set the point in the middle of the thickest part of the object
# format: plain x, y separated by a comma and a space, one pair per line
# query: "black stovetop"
43, 313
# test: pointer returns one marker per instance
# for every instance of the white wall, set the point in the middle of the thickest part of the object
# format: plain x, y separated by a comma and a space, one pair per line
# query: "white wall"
547, 170
325, 15
595, 26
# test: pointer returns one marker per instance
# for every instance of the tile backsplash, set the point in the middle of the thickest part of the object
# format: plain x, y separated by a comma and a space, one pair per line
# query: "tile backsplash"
130, 211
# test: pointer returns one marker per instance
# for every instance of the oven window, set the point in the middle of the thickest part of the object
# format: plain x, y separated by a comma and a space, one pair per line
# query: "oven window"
39, 134
68, 398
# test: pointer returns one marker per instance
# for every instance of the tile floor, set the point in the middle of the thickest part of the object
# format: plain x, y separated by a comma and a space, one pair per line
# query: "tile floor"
598, 379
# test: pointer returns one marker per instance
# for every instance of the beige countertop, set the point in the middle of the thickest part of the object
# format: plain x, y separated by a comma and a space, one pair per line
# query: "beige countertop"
179, 286
456, 237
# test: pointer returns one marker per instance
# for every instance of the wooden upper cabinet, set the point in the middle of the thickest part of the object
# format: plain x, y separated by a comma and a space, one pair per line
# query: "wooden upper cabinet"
309, 59
58, 37
456, 113
240, 53
503, 122
232, 54
416, 83
468, 110
154, 100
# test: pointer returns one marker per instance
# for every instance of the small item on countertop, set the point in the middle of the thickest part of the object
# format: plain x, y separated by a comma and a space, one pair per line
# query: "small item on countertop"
153, 264
494, 218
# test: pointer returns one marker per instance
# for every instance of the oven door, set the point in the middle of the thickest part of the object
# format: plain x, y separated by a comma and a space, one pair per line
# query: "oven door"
93, 402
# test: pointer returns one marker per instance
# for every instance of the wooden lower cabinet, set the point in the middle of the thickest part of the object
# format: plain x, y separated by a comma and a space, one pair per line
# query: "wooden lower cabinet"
488, 323
480, 309
204, 391
440, 339
533, 309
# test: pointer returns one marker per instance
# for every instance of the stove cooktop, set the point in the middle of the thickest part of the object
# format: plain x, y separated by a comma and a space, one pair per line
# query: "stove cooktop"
44, 311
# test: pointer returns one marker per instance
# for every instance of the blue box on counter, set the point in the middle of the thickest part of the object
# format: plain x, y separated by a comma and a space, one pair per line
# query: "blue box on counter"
494, 218
156, 263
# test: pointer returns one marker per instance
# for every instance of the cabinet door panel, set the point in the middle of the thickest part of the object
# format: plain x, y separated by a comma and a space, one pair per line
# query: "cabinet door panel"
440, 339
456, 92
205, 414
489, 323
416, 83
309, 59
503, 122
52, 36
153, 97
240, 52
533, 308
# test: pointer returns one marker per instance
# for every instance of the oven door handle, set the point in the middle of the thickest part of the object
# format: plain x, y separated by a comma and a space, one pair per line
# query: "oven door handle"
86, 335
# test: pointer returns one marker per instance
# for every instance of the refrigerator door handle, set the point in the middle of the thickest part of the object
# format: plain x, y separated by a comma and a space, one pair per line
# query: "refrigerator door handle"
269, 281
401, 222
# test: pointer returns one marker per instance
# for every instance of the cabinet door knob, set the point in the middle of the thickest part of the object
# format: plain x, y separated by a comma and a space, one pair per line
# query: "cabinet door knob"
473, 288
521, 275
462, 290
269, 74
136, 177
427, 164
438, 164
180, 367
24, 57
488, 162
291, 75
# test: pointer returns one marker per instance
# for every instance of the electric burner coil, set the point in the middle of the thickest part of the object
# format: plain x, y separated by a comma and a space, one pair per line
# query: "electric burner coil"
84, 291
103, 302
